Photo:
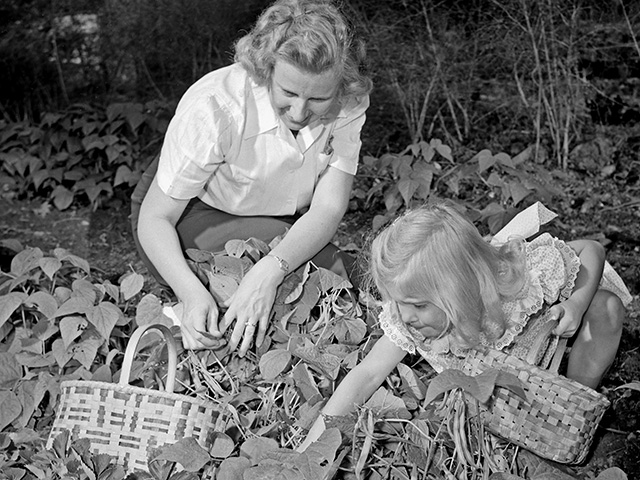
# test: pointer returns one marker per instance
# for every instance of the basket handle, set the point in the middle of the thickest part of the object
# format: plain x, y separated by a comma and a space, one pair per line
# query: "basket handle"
541, 342
132, 346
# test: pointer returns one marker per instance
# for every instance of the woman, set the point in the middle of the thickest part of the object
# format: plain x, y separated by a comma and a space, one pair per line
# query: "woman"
266, 145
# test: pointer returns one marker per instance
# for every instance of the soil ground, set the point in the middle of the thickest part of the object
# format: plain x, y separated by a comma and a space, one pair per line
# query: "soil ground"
604, 208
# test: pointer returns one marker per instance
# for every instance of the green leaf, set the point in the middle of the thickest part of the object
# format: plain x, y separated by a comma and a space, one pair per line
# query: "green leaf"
327, 363
104, 317
411, 381
331, 281
256, 448
222, 446
85, 290
187, 452
199, 256
10, 369
60, 352
304, 382
10, 408
407, 187
71, 327
43, 301
324, 449
149, 310
485, 160
387, 405
62, 197
233, 468
518, 191
25, 261
86, 350
442, 149
511, 382
50, 266
221, 286
273, 363
123, 175
30, 393
632, 386
480, 387
74, 305
350, 330
9, 303
131, 284
81, 263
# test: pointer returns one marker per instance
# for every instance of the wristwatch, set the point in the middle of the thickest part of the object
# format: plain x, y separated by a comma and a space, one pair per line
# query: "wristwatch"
284, 266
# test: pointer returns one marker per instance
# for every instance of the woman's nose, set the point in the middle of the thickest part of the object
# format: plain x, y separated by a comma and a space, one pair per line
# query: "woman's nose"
298, 110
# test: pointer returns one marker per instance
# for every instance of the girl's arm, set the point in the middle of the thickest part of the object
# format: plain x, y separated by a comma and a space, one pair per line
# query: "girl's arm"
358, 385
570, 312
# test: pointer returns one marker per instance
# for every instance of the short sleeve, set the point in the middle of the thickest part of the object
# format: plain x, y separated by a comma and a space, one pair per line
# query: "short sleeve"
394, 329
193, 147
344, 141
555, 264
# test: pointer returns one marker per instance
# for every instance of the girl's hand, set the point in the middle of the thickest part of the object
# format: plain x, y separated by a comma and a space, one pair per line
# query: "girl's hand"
568, 316
199, 321
250, 306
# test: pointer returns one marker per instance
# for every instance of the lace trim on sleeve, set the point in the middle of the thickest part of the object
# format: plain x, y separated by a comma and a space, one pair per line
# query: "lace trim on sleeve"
393, 328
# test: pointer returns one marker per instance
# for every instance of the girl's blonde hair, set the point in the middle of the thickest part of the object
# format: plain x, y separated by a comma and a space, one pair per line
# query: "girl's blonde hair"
435, 254
310, 34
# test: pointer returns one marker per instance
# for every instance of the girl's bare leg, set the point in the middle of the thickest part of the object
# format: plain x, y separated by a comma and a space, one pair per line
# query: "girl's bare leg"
596, 344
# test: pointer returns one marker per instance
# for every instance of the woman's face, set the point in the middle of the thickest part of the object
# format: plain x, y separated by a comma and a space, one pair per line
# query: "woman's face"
300, 97
422, 316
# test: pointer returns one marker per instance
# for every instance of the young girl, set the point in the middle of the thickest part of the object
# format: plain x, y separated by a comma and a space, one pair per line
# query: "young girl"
445, 289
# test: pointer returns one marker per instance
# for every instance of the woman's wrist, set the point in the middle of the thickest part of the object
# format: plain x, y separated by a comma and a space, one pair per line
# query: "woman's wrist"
278, 265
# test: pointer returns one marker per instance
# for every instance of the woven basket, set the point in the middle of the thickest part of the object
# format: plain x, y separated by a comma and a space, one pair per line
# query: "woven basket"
127, 422
559, 417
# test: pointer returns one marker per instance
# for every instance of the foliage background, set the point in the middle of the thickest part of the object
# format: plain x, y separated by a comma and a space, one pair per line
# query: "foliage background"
495, 103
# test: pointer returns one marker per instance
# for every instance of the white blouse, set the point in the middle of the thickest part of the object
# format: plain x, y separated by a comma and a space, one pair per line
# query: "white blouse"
227, 146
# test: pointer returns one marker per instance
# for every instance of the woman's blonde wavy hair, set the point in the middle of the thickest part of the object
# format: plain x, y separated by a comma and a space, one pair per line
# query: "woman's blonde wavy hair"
312, 35
434, 254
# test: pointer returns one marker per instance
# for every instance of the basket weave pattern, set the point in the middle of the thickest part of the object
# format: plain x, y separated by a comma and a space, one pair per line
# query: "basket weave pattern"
128, 422
557, 421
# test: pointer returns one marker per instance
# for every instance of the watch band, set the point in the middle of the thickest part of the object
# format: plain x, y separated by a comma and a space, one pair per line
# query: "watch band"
284, 266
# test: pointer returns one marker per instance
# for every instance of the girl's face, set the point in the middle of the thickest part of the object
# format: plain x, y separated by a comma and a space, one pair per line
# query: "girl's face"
299, 97
422, 316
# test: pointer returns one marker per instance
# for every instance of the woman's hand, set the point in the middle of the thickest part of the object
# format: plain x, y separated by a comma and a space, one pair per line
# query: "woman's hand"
250, 306
199, 320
